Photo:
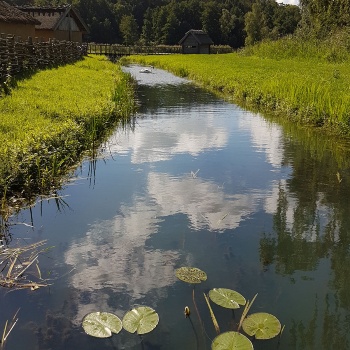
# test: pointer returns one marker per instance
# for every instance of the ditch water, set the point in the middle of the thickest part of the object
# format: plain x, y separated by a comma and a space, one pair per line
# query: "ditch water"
261, 208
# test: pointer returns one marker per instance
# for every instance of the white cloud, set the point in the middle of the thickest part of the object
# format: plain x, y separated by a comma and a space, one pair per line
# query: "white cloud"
290, 2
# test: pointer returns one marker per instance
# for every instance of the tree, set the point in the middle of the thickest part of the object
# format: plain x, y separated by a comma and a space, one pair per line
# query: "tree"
129, 29
227, 24
210, 18
269, 20
287, 18
255, 24
147, 31
323, 16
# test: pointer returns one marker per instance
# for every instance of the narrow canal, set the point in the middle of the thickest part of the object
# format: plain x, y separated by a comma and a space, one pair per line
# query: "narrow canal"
196, 181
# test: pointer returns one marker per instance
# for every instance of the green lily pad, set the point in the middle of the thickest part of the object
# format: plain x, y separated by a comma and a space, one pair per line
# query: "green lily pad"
262, 325
227, 298
231, 341
142, 319
101, 324
191, 274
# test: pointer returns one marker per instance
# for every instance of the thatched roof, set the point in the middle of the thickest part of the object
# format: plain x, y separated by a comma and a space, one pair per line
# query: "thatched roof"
199, 35
10, 14
51, 17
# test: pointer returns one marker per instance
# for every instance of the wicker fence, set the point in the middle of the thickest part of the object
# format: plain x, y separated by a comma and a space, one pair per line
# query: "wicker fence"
17, 56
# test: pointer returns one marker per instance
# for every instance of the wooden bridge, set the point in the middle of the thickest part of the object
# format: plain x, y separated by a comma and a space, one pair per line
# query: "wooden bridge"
116, 50
121, 50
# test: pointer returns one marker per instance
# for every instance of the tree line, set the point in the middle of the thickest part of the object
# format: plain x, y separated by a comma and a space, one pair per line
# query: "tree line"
228, 22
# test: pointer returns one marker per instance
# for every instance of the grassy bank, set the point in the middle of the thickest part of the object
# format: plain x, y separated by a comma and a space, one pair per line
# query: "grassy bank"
50, 119
308, 91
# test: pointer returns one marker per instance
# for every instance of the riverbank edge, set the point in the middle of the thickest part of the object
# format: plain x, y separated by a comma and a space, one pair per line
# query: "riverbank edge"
247, 92
41, 161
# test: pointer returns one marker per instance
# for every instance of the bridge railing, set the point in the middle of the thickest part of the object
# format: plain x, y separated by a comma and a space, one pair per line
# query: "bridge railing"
121, 50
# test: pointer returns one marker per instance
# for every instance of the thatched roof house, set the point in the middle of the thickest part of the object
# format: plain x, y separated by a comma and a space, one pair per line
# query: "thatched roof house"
196, 41
61, 22
13, 21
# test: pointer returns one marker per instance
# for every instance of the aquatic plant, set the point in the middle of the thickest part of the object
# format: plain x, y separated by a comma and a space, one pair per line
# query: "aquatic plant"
231, 341
101, 324
261, 325
8, 329
19, 267
141, 319
227, 298
191, 274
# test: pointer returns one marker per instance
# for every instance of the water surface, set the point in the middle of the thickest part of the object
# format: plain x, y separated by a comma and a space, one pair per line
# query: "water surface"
200, 182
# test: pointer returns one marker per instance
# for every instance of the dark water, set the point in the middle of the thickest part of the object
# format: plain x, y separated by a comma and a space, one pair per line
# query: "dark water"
261, 208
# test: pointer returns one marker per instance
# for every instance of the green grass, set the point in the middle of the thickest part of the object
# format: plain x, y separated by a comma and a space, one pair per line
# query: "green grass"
50, 119
333, 49
305, 90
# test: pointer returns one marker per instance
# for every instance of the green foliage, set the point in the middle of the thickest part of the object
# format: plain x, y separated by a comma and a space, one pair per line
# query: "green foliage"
269, 20
128, 28
333, 49
320, 17
165, 22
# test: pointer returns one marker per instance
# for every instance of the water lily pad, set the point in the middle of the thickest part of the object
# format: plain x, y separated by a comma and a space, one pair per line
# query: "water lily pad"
262, 325
101, 324
231, 341
227, 298
142, 319
191, 274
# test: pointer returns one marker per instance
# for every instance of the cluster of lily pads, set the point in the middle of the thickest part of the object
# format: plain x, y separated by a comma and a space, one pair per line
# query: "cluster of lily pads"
260, 325
141, 320
144, 319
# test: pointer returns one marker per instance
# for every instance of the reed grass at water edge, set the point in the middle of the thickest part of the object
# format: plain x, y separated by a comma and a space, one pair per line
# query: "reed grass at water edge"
52, 118
309, 89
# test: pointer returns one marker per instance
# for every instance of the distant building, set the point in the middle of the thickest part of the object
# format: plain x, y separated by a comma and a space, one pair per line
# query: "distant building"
15, 22
196, 41
61, 22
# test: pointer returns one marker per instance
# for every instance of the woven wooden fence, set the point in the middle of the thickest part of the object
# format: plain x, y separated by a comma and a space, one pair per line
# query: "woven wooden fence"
17, 56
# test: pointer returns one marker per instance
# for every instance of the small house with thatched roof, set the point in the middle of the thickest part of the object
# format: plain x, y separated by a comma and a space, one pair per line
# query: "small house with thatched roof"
196, 41
15, 22
61, 22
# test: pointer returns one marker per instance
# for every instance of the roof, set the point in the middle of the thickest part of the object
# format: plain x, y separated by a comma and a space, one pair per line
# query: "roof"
11, 14
199, 35
51, 17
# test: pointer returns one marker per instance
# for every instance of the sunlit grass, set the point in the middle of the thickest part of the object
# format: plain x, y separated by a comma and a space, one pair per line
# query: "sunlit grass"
307, 91
52, 117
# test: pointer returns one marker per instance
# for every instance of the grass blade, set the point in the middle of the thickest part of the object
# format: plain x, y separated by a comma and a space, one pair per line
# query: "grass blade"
215, 322
245, 311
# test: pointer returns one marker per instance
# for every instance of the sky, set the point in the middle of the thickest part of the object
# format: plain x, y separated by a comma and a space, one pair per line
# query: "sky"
291, 2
